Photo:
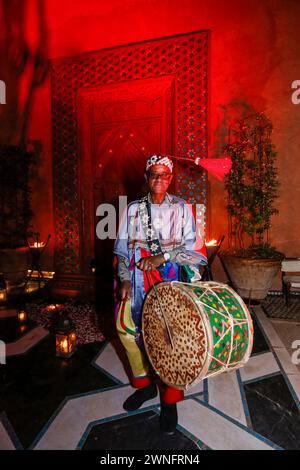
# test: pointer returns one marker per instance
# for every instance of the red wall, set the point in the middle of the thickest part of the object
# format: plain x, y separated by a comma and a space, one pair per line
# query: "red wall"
254, 57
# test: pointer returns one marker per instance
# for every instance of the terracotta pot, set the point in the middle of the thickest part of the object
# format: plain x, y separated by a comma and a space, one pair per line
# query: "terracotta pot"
251, 278
14, 263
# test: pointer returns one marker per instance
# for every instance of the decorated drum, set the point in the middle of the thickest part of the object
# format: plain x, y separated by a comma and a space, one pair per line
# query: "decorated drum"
194, 331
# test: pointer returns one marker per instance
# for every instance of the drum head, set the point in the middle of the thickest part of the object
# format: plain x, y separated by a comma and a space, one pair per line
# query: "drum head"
187, 362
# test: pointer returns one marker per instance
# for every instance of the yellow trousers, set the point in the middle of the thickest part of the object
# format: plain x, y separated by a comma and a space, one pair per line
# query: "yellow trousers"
128, 334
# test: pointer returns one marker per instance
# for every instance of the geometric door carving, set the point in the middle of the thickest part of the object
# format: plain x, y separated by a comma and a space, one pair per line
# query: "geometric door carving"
178, 63
118, 126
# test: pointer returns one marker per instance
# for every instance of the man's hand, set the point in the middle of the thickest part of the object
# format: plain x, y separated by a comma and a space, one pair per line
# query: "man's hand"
150, 262
125, 290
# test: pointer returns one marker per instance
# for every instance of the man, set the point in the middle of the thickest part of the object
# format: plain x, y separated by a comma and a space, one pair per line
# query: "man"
157, 236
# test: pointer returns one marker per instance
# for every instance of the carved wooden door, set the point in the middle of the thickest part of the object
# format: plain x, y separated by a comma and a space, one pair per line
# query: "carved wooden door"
119, 126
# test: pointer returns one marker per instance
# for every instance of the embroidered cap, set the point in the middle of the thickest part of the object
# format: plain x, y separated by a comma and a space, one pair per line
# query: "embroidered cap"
159, 160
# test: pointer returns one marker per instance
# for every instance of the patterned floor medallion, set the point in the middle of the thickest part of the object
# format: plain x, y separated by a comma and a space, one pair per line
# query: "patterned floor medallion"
46, 403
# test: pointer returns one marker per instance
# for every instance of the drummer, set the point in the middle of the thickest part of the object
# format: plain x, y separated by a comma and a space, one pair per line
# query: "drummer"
156, 242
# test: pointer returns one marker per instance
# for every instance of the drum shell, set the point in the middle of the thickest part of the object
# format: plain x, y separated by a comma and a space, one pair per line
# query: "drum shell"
218, 352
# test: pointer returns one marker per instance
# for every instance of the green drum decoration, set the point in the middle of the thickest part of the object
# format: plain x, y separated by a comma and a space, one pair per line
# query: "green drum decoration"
194, 331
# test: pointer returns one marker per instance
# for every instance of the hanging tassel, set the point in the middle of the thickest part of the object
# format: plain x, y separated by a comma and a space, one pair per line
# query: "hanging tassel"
218, 167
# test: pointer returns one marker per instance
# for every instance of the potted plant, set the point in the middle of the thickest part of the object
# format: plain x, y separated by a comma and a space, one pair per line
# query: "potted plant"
15, 213
252, 184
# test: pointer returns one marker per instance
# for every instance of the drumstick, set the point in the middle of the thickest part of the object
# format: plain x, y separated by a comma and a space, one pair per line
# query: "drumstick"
161, 310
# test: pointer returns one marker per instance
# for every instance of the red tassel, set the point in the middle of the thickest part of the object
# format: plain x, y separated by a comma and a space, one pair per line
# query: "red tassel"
218, 167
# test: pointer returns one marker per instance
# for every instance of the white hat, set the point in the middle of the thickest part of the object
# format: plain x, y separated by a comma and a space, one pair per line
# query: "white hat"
159, 160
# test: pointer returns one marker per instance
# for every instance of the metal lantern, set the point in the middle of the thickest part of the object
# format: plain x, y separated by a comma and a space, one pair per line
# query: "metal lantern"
3, 289
65, 337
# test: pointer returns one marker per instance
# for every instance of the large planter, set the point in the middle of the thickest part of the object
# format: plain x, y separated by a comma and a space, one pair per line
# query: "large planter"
251, 278
14, 263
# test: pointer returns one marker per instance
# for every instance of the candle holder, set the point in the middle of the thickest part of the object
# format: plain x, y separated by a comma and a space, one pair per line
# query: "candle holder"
36, 248
212, 248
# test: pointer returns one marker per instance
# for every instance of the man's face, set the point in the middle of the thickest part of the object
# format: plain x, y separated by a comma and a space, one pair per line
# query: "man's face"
159, 178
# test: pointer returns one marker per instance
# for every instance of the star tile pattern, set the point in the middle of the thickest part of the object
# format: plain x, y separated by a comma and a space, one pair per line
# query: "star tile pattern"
256, 407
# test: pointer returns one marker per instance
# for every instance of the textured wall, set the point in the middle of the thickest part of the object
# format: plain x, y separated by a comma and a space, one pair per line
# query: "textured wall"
254, 57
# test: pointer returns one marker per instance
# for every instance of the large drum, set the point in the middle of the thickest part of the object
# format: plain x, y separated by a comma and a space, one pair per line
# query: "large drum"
193, 331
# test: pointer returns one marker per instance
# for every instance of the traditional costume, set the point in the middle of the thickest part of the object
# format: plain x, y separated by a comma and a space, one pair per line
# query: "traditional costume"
148, 229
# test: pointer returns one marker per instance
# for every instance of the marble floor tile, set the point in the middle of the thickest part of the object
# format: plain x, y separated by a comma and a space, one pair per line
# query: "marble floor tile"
224, 393
260, 344
196, 389
273, 411
28, 341
268, 328
217, 432
258, 366
37, 383
289, 332
295, 383
56, 403
285, 360
136, 432
77, 413
107, 403
5, 440
110, 362
65, 431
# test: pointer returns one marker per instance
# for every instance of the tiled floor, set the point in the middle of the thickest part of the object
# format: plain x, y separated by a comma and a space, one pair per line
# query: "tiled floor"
289, 333
50, 403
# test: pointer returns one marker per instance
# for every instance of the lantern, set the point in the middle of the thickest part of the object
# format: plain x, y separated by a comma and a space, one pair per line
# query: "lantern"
22, 316
3, 290
65, 337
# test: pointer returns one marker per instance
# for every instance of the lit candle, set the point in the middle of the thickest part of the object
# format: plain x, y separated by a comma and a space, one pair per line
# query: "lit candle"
212, 242
64, 345
37, 245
